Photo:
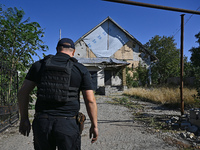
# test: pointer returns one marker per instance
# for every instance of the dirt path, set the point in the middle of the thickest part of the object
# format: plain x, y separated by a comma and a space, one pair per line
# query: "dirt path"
117, 131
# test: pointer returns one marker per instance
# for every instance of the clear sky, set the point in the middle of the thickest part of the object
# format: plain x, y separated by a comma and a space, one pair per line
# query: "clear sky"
77, 17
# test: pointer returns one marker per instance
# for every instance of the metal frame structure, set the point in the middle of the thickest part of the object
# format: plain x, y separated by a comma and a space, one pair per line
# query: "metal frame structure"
155, 6
182, 33
8, 96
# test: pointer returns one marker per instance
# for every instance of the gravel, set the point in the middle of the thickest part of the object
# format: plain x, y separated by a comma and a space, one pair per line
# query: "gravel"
117, 131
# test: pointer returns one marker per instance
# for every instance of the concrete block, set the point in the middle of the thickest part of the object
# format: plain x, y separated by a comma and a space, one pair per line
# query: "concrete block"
185, 124
183, 135
193, 114
175, 125
191, 135
184, 117
195, 122
168, 122
193, 129
174, 119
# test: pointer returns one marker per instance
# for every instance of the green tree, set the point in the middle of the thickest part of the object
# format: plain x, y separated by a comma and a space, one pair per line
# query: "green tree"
195, 55
142, 72
164, 48
188, 68
19, 40
137, 77
131, 78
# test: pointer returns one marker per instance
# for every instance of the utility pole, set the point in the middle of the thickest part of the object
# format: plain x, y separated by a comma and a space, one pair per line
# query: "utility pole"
182, 33
60, 34
182, 64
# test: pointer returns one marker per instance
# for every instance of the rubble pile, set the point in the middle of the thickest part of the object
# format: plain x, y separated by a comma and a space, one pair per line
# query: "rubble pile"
189, 124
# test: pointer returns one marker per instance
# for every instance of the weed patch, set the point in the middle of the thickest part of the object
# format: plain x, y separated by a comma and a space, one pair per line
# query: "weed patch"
164, 95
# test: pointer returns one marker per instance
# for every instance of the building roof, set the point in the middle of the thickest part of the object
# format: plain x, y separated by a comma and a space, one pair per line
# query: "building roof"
105, 61
153, 58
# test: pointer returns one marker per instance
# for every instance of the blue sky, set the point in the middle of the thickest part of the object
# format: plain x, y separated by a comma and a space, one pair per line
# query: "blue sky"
77, 17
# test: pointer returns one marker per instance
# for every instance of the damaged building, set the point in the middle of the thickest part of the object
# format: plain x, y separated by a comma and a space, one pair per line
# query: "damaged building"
106, 50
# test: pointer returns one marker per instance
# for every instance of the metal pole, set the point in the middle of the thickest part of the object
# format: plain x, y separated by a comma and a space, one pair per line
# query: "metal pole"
155, 6
60, 34
182, 34
182, 64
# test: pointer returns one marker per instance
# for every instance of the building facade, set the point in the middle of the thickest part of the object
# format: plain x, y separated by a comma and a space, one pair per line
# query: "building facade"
106, 50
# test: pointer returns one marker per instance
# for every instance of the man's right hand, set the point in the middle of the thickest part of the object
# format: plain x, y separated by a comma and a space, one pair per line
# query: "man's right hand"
91, 107
25, 127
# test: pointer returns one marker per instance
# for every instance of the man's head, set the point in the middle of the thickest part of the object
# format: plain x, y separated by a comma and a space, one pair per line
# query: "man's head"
66, 45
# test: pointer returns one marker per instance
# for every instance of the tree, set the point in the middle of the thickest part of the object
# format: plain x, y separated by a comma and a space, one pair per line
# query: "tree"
137, 77
142, 72
196, 64
19, 40
131, 78
164, 48
196, 53
188, 68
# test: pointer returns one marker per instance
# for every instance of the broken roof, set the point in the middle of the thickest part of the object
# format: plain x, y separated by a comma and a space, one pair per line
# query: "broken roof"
116, 38
106, 61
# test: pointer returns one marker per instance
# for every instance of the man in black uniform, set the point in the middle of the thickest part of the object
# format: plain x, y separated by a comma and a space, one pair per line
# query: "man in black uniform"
59, 80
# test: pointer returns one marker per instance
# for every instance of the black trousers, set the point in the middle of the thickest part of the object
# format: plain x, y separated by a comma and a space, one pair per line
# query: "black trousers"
52, 132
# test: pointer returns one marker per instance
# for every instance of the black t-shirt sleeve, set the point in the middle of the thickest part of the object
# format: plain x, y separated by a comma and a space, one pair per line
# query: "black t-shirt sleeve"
86, 82
34, 72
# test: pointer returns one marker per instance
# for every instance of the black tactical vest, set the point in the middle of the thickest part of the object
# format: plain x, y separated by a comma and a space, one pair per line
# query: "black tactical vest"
55, 82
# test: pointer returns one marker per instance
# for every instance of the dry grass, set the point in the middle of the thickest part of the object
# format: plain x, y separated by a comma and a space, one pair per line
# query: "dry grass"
163, 95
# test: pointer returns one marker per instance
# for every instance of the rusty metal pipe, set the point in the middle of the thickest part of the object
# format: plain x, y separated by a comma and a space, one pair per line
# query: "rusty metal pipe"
155, 6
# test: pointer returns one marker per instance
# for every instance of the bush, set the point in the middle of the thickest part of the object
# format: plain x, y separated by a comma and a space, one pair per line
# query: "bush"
137, 77
197, 84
